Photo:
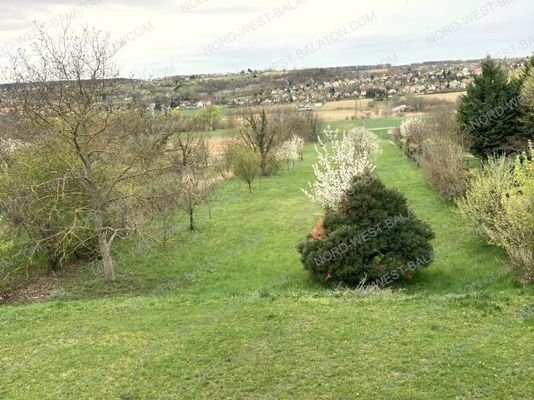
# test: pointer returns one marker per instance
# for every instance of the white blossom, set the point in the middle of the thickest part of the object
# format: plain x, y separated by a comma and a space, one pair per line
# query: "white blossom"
10, 146
411, 127
290, 150
342, 157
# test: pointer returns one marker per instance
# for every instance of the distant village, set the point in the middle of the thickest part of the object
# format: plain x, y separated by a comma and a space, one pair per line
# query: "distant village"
308, 89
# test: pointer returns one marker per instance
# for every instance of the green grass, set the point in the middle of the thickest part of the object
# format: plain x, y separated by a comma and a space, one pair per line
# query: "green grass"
222, 133
368, 123
462, 258
191, 112
217, 133
229, 312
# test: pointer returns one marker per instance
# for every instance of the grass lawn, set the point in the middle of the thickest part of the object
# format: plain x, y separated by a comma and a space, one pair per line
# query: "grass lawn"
229, 312
368, 123
218, 133
191, 112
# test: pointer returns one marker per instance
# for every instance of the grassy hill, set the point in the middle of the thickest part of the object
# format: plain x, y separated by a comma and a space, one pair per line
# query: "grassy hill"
228, 312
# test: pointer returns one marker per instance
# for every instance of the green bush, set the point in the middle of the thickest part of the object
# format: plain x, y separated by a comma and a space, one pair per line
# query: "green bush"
209, 118
485, 191
246, 166
372, 238
499, 204
46, 213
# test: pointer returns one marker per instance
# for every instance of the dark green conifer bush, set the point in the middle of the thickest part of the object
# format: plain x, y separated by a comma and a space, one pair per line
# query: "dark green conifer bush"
373, 238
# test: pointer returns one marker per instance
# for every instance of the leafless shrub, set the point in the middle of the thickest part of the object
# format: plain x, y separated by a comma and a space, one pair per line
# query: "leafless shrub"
442, 154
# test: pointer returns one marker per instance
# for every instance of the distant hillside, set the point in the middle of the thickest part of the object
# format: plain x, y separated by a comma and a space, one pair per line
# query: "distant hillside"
305, 86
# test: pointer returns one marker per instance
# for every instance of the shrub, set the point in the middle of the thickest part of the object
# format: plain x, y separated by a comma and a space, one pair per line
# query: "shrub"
516, 227
442, 156
396, 133
340, 161
46, 212
442, 161
246, 166
224, 159
499, 204
413, 132
273, 167
485, 191
298, 145
372, 238
439, 148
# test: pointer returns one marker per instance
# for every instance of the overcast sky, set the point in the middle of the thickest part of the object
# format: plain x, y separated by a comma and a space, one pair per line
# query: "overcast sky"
169, 37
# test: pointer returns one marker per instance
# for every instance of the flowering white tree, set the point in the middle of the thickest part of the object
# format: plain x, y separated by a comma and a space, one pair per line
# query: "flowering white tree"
298, 144
412, 132
290, 150
412, 126
345, 157
8, 147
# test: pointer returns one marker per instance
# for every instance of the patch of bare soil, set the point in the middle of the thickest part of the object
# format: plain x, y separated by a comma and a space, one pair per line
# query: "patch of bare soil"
34, 291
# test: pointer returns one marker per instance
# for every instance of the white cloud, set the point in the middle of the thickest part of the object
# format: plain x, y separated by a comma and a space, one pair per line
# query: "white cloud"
258, 33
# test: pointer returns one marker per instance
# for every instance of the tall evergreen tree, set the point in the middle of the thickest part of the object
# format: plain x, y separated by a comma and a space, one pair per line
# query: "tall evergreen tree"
525, 82
489, 112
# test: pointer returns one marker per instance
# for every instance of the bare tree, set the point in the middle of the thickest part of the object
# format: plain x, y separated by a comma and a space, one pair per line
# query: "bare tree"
305, 124
104, 149
261, 131
195, 189
188, 143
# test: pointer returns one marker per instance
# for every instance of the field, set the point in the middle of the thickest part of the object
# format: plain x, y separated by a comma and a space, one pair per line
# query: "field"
340, 110
344, 109
229, 312
345, 104
452, 96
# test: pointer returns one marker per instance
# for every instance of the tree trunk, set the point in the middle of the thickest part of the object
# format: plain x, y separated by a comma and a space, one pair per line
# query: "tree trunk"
263, 167
107, 261
191, 219
105, 248
209, 207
